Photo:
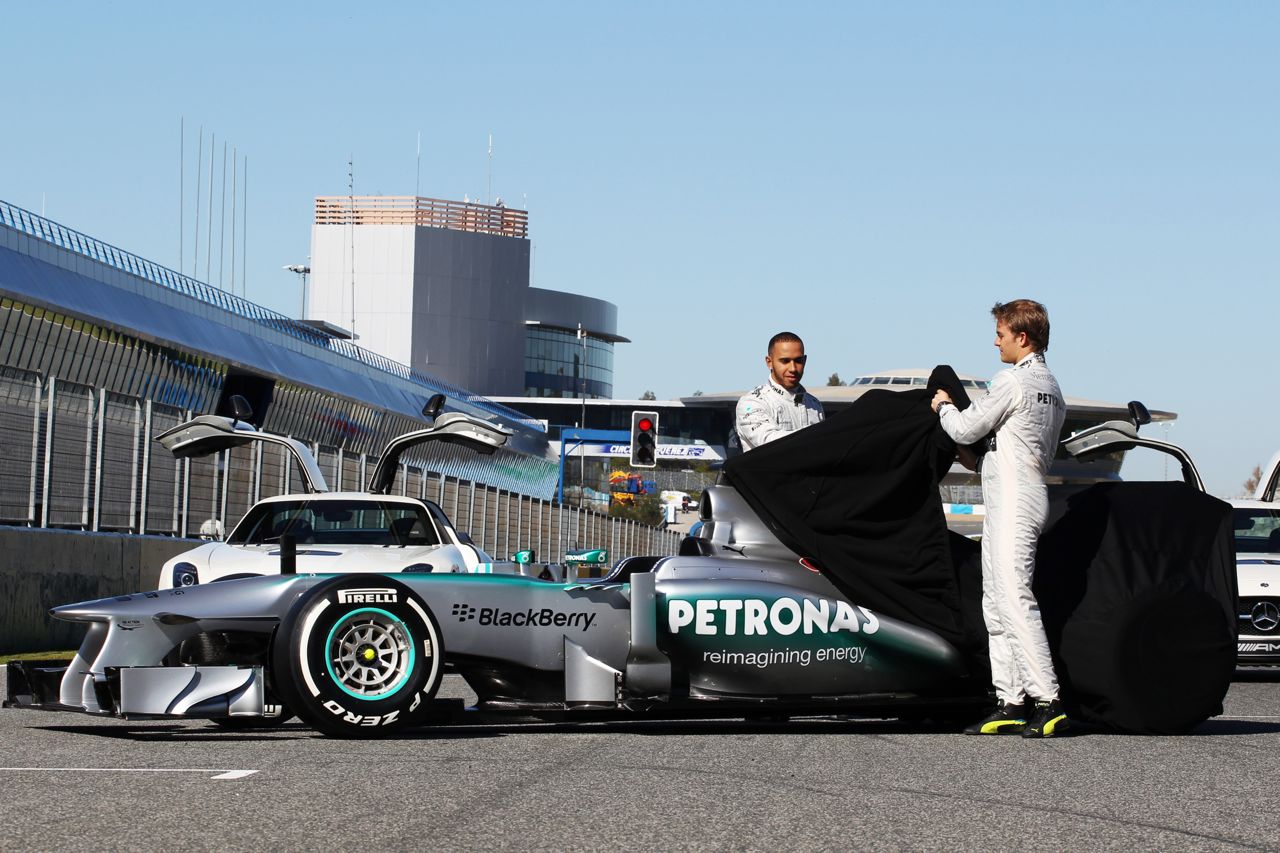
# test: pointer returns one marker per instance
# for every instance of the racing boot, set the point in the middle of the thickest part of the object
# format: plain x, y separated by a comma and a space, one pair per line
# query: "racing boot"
1047, 719
1006, 719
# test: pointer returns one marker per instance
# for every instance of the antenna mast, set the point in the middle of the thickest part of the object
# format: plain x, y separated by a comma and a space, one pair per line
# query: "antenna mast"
244, 232
195, 263
208, 246
351, 200
234, 156
182, 143
222, 216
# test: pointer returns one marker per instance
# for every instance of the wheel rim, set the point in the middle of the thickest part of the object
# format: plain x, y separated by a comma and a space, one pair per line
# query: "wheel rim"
369, 653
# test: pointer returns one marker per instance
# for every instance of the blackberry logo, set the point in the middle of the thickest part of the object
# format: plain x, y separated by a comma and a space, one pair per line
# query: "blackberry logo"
533, 617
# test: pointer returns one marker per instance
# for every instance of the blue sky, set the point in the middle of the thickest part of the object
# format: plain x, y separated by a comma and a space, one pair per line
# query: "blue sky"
871, 175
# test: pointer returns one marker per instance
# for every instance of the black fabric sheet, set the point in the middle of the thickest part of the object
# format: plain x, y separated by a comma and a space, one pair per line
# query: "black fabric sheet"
1137, 588
1136, 581
857, 496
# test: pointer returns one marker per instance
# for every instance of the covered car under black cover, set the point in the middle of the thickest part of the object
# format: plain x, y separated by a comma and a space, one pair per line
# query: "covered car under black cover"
1135, 581
1137, 588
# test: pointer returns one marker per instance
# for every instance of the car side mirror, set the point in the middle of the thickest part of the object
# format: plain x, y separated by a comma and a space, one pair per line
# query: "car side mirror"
433, 406
240, 408
1138, 414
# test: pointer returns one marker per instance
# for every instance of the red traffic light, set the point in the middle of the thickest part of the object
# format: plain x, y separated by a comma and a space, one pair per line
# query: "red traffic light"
644, 439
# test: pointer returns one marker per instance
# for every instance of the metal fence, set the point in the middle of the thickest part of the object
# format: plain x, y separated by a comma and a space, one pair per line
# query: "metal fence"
83, 458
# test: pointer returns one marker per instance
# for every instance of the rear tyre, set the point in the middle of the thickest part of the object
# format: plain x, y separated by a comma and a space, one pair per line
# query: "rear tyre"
358, 657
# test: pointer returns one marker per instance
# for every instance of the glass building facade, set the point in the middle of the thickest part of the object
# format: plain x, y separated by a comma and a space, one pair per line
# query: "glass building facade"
553, 364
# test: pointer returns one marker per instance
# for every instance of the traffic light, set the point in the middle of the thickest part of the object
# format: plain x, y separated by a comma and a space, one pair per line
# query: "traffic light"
644, 439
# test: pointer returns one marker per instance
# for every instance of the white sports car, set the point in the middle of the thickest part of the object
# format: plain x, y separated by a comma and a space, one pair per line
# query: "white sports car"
337, 532
1257, 534
334, 532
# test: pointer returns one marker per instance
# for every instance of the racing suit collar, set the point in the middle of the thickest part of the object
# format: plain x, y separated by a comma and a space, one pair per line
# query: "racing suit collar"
1030, 358
796, 396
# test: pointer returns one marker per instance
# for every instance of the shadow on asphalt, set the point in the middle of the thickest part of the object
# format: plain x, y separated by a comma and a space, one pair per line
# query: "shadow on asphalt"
1218, 728
1258, 674
645, 728
169, 734
467, 731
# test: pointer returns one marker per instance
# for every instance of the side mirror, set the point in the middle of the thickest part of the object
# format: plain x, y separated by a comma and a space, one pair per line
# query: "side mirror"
433, 407
524, 556
240, 408
1138, 414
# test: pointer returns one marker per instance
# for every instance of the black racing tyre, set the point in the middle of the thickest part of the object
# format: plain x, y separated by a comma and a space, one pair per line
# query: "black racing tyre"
358, 657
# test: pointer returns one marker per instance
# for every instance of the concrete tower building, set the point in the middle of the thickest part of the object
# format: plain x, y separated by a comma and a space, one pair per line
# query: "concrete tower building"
443, 287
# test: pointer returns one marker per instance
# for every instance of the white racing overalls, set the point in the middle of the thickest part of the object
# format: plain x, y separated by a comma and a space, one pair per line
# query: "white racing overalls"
1025, 408
771, 411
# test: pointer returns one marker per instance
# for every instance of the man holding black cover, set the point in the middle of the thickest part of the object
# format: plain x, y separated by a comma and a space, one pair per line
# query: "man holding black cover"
1024, 409
781, 405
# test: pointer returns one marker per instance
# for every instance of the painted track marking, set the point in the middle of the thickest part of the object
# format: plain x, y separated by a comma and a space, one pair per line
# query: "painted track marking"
220, 774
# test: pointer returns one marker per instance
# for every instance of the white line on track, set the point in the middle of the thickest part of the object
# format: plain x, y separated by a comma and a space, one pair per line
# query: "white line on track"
220, 774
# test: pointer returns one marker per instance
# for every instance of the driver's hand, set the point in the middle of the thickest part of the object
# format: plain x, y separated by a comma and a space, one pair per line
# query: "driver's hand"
939, 397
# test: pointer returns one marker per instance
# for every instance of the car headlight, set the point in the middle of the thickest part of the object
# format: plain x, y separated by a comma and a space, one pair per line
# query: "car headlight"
185, 574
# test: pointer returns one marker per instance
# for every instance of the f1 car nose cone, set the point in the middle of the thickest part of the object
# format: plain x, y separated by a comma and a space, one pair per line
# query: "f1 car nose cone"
87, 611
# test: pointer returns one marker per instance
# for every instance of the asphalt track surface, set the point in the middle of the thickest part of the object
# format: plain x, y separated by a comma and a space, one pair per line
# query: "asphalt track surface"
73, 782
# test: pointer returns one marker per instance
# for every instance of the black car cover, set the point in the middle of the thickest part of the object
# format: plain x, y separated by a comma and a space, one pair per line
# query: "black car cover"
1135, 581
857, 495
1137, 588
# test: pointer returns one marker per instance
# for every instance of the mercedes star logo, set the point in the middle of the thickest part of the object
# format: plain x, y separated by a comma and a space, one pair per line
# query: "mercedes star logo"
1265, 616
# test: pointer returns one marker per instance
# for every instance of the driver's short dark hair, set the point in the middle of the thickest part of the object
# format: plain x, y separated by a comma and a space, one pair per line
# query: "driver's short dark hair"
784, 338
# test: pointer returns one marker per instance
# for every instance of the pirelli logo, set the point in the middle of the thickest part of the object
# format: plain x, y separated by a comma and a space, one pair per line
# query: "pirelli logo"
367, 596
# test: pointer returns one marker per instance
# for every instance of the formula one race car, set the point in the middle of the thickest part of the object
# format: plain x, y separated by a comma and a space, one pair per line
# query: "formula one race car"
743, 622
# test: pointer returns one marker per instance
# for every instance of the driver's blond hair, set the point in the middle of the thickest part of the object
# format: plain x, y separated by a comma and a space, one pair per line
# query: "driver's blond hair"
1025, 316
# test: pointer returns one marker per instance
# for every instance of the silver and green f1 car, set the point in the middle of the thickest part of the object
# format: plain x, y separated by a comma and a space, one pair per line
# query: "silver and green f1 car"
361, 655
741, 623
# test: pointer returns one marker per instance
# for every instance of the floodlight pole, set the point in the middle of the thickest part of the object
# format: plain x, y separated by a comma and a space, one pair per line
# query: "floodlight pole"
303, 270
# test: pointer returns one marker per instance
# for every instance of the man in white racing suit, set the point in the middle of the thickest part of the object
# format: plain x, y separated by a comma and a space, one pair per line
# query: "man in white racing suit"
1024, 408
781, 405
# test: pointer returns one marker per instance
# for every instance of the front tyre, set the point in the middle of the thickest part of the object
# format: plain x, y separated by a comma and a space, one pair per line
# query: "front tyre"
358, 657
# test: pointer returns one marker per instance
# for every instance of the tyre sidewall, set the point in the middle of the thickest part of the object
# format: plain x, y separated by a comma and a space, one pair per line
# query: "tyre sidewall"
308, 680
